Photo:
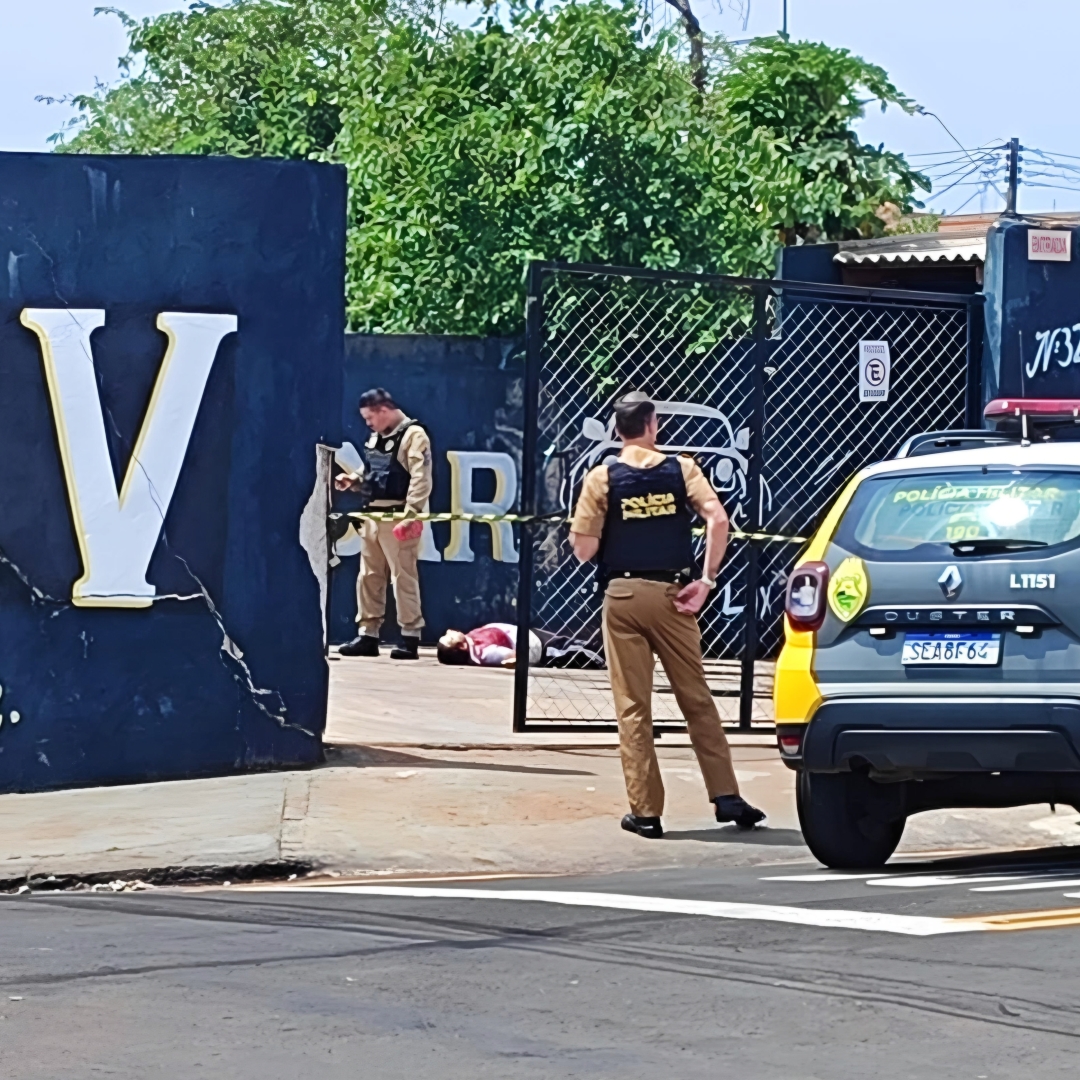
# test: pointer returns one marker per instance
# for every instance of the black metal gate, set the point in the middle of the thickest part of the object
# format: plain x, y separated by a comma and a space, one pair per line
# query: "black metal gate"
759, 380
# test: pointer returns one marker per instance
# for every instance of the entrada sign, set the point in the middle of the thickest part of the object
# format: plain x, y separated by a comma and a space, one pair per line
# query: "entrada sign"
117, 531
1049, 245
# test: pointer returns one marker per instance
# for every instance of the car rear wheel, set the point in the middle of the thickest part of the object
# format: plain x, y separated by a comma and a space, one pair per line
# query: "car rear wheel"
844, 820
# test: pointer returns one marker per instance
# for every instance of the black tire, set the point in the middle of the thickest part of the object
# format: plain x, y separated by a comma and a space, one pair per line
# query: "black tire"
839, 823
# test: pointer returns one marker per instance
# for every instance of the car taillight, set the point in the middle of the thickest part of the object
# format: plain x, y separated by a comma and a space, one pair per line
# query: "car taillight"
789, 739
806, 589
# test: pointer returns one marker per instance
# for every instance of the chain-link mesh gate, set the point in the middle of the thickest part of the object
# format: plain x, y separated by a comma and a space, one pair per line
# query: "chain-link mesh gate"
759, 381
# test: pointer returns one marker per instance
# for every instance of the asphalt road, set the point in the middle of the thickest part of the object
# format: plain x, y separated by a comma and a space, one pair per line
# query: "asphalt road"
780, 971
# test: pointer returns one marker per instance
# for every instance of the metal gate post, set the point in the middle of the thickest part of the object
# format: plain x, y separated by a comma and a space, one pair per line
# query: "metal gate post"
534, 327
753, 506
973, 402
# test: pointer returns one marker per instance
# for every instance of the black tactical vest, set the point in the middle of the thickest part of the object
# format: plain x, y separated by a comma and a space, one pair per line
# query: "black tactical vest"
386, 479
648, 520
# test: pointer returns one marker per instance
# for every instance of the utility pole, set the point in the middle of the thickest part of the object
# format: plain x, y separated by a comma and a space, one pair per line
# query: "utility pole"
784, 33
1014, 173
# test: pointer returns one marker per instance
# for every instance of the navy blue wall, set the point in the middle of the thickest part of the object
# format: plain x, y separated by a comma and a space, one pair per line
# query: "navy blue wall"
468, 392
811, 262
1027, 300
109, 695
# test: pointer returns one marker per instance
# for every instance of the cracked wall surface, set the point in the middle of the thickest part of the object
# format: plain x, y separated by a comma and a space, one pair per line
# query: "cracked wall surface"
220, 667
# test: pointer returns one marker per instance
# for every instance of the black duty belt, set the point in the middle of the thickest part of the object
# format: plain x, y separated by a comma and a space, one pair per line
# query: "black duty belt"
673, 577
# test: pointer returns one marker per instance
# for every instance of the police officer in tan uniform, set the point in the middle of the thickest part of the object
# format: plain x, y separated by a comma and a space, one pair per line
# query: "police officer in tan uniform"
635, 516
398, 477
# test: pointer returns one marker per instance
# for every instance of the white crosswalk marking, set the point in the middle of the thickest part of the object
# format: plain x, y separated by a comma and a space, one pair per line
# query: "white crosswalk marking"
821, 877
934, 881
900, 881
1026, 885
882, 922
1019, 882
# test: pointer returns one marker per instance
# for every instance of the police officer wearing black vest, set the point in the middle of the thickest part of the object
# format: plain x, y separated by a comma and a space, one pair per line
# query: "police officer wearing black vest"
397, 477
635, 516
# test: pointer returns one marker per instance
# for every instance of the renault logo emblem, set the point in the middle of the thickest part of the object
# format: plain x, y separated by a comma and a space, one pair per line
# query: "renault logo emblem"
951, 582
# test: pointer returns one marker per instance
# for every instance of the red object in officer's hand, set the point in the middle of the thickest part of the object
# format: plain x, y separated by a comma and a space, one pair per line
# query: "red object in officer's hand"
408, 530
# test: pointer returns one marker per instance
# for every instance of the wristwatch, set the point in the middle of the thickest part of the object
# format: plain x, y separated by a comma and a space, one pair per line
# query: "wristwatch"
709, 583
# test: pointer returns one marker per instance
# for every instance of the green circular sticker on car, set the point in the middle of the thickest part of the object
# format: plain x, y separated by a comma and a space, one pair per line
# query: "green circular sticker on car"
849, 585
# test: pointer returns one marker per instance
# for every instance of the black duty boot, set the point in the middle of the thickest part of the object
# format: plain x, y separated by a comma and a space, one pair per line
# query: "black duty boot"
736, 808
649, 827
364, 645
407, 650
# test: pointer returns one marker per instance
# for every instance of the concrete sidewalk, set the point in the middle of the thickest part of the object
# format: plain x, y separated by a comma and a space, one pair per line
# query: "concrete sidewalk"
387, 810
425, 777
429, 812
384, 702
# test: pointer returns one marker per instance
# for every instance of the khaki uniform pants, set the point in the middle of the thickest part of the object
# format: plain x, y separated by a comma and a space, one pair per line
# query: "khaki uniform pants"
382, 556
640, 620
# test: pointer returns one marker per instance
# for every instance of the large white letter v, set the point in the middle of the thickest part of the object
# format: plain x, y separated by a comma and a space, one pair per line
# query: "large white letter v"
118, 531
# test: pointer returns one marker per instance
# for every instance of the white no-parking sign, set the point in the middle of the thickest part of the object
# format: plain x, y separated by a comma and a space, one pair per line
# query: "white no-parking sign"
874, 370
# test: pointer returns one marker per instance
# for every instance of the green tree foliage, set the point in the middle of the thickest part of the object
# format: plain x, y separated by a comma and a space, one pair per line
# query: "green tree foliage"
572, 132
258, 77
808, 96
564, 136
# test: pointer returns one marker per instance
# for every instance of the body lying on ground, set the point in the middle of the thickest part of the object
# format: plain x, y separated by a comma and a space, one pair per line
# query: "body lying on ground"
491, 645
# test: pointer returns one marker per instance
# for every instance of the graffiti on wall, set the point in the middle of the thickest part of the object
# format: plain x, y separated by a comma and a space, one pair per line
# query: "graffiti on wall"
700, 430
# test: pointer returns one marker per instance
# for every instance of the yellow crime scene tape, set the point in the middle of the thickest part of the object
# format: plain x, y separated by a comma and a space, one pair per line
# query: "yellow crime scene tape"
740, 535
406, 515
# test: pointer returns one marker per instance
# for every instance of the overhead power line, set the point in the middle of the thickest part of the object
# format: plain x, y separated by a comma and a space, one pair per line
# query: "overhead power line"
982, 170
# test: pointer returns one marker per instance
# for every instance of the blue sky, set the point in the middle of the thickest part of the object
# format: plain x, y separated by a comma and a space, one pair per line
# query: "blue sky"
990, 69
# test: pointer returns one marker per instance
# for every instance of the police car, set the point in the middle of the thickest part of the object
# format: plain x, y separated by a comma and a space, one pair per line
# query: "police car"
932, 653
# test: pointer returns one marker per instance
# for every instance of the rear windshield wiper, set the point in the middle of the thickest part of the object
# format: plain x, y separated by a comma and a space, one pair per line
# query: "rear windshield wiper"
988, 546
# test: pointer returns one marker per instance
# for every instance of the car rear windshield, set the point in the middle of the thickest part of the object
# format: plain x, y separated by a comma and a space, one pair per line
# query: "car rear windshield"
920, 516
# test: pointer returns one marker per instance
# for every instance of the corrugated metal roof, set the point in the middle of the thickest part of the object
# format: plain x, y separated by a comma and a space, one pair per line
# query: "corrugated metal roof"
917, 248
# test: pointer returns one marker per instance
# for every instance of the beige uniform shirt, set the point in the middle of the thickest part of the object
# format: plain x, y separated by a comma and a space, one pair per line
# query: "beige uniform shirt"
414, 455
592, 504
